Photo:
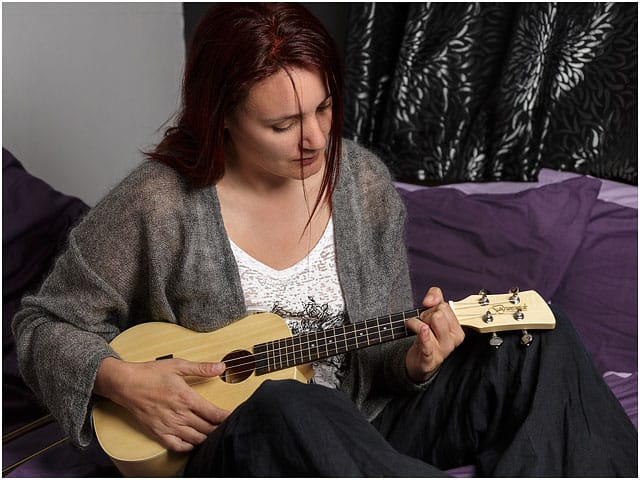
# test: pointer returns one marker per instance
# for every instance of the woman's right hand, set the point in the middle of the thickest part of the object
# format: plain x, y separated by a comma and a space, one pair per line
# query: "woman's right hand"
158, 396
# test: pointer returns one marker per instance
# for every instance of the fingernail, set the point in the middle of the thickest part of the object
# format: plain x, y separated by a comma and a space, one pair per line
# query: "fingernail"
217, 368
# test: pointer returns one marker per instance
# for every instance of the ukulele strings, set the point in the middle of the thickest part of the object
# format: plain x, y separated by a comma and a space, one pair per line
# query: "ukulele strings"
280, 355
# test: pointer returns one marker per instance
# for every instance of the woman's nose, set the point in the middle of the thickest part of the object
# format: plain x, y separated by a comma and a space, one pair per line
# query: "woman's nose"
314, 136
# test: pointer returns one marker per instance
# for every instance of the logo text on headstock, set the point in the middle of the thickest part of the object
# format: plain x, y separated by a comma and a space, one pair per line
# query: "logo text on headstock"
502, 309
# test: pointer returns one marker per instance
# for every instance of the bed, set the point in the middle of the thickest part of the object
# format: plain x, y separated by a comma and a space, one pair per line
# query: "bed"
572, 238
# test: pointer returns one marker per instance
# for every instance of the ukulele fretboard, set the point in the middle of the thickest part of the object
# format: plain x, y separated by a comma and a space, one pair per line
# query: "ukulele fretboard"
309, 347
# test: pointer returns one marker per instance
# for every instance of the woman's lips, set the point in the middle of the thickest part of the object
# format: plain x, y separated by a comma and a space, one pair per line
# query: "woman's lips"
306, 161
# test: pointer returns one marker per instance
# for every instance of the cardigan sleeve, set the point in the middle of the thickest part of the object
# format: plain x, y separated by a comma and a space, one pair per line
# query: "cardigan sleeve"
372, 263
94, 291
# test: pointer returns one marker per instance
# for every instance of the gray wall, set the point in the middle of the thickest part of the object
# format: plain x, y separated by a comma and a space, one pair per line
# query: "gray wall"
85, 86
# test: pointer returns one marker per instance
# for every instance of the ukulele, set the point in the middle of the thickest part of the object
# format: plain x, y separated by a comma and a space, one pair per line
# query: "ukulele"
261, 347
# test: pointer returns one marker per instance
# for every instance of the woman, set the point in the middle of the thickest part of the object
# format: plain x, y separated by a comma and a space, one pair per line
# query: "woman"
253, 202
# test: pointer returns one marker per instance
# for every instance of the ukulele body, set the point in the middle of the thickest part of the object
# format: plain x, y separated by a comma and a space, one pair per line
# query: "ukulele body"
135, 452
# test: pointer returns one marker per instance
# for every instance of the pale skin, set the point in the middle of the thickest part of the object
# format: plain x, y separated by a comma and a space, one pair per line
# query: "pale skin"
262, 196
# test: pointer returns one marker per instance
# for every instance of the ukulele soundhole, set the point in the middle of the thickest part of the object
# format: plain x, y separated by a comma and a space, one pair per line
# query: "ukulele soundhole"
240, 365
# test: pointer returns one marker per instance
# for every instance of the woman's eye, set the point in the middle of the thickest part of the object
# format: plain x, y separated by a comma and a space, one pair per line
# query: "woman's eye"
282, 129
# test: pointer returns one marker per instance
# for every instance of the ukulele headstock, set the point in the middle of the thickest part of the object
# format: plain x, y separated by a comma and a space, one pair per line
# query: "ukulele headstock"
516, 310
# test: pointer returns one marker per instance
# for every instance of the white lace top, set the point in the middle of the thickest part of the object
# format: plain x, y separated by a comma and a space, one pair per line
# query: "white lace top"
307, 295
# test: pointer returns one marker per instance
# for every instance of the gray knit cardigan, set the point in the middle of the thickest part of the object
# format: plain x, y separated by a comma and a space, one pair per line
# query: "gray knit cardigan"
156, 250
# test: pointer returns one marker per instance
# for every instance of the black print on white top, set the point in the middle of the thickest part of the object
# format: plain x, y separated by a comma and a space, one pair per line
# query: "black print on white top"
312, 318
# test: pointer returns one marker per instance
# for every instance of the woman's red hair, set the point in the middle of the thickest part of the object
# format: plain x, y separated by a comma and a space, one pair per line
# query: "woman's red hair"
234, 47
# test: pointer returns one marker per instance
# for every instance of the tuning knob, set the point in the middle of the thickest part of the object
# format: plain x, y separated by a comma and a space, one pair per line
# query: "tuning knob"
515, 295
527, 339
484, 299
495, 341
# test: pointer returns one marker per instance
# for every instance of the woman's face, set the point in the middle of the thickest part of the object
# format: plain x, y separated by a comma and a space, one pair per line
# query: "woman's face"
264, 131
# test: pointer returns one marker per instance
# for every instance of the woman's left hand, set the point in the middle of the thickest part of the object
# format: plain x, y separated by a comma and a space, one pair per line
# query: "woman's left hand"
438, 333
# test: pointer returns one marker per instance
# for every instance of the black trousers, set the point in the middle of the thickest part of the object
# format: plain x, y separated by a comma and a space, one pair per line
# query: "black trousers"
537, 411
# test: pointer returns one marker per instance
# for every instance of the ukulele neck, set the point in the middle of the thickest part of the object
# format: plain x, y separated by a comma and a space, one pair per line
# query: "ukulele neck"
313, 346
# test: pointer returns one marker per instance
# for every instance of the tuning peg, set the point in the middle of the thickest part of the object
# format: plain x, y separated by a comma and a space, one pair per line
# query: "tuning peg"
487, 317
527, 339
515, 295
484, 299
495, 341
519, 315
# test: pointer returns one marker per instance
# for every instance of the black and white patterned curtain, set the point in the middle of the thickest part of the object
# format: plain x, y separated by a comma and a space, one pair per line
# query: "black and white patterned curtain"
449, 92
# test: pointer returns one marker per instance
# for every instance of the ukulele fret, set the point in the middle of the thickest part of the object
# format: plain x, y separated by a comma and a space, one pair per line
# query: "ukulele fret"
283, 353
364, 333
277, 359
350, 338
310, 347
297, 342
326, 342
379, 330
316, 344
272, 356
332, 344
291, 352
357, 335
263, 350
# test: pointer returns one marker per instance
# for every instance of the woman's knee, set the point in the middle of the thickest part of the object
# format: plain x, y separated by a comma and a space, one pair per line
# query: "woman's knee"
275, 396
295, 400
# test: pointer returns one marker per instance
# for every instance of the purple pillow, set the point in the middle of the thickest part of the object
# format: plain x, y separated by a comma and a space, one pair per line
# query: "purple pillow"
528, 239
600, 288
35, 222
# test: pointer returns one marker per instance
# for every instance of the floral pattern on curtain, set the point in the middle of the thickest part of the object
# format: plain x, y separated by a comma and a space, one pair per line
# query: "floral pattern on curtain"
449, 92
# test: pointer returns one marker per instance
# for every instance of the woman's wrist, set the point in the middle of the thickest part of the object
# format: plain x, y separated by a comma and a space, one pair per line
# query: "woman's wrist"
109, 372
415, 372
424, 377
